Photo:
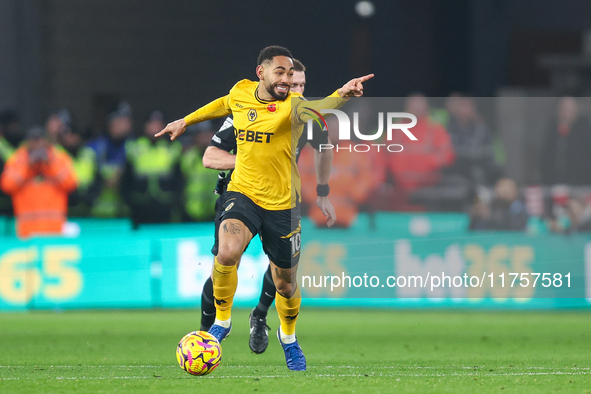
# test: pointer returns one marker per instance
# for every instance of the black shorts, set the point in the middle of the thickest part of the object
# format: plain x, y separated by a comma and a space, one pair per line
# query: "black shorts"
219, 208
280, 231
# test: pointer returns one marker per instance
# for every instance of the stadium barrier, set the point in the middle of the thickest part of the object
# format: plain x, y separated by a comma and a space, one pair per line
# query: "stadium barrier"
386, 259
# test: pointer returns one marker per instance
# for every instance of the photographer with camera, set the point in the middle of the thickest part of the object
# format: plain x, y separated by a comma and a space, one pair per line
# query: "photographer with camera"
38, 177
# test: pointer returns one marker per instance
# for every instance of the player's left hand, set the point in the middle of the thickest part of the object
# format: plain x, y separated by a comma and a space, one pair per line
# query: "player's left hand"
327, 210
354, 88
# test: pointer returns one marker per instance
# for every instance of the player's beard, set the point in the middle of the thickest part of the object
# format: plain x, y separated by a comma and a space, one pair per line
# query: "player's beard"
272, 92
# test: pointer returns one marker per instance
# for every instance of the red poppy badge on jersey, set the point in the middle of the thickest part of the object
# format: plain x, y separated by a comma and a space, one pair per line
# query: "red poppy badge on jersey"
272, 107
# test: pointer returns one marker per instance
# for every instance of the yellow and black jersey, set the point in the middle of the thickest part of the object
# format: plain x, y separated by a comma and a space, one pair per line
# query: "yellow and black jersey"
266, 169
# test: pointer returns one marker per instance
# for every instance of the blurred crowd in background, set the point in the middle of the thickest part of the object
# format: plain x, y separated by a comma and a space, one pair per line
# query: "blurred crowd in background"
457, 164
121, 172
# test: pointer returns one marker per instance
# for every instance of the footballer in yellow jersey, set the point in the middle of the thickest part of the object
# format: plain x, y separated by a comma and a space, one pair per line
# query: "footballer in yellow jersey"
265, 170
218, 156
262, 195
265, 160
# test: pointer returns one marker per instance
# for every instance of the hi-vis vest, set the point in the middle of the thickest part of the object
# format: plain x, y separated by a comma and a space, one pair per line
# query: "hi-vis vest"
200, 183
153, 161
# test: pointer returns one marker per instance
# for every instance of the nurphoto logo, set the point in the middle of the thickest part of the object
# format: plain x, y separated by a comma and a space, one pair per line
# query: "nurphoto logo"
393, 120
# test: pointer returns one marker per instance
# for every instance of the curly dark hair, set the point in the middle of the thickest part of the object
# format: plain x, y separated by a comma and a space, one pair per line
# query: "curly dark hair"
268, 53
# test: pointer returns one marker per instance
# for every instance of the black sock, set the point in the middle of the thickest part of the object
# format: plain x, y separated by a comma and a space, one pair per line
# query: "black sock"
207, 306
267, 296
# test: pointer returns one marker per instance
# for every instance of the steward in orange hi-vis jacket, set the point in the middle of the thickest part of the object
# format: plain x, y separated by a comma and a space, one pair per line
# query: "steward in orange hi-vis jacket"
39, 178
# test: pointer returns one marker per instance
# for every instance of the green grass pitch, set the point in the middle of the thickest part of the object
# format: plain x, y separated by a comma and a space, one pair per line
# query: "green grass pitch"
363, 351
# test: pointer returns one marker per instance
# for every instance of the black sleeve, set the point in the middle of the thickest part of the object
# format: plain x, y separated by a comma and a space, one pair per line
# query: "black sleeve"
318, 137
225, 139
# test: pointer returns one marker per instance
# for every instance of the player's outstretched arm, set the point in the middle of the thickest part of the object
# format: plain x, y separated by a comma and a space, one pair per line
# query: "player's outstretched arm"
354, 88
174, 129
218, 159
213, 110
304, 109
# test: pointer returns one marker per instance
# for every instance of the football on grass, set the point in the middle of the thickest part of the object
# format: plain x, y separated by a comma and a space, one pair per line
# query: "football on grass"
199, 353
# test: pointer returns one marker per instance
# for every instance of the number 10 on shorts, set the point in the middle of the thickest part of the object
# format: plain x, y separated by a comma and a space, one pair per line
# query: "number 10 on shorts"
296, 243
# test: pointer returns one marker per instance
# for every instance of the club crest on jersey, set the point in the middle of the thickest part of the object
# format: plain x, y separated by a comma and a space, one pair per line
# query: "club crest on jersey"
252, 115
272, 108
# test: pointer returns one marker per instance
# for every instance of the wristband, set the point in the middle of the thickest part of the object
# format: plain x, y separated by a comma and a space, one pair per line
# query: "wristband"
322, 190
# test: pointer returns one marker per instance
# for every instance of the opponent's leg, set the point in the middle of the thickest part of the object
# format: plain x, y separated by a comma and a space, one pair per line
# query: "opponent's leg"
259, 330
207, 305
234, 236
267, 295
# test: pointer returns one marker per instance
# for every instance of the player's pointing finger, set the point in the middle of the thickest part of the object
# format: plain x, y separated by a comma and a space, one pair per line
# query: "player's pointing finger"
162, 132
365, 78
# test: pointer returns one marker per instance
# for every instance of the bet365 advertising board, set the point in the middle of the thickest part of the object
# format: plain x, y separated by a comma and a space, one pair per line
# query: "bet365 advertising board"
394, 260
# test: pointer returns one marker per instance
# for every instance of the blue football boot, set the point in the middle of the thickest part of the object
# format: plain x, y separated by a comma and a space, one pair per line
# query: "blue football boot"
294, 357
219, 332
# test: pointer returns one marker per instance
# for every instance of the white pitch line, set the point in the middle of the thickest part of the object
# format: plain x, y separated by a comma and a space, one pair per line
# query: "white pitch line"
84, 378
312, 376
88, 366
309, 367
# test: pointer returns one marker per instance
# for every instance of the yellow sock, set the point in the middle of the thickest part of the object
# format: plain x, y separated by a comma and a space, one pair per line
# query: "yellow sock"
288, 310
225, 280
